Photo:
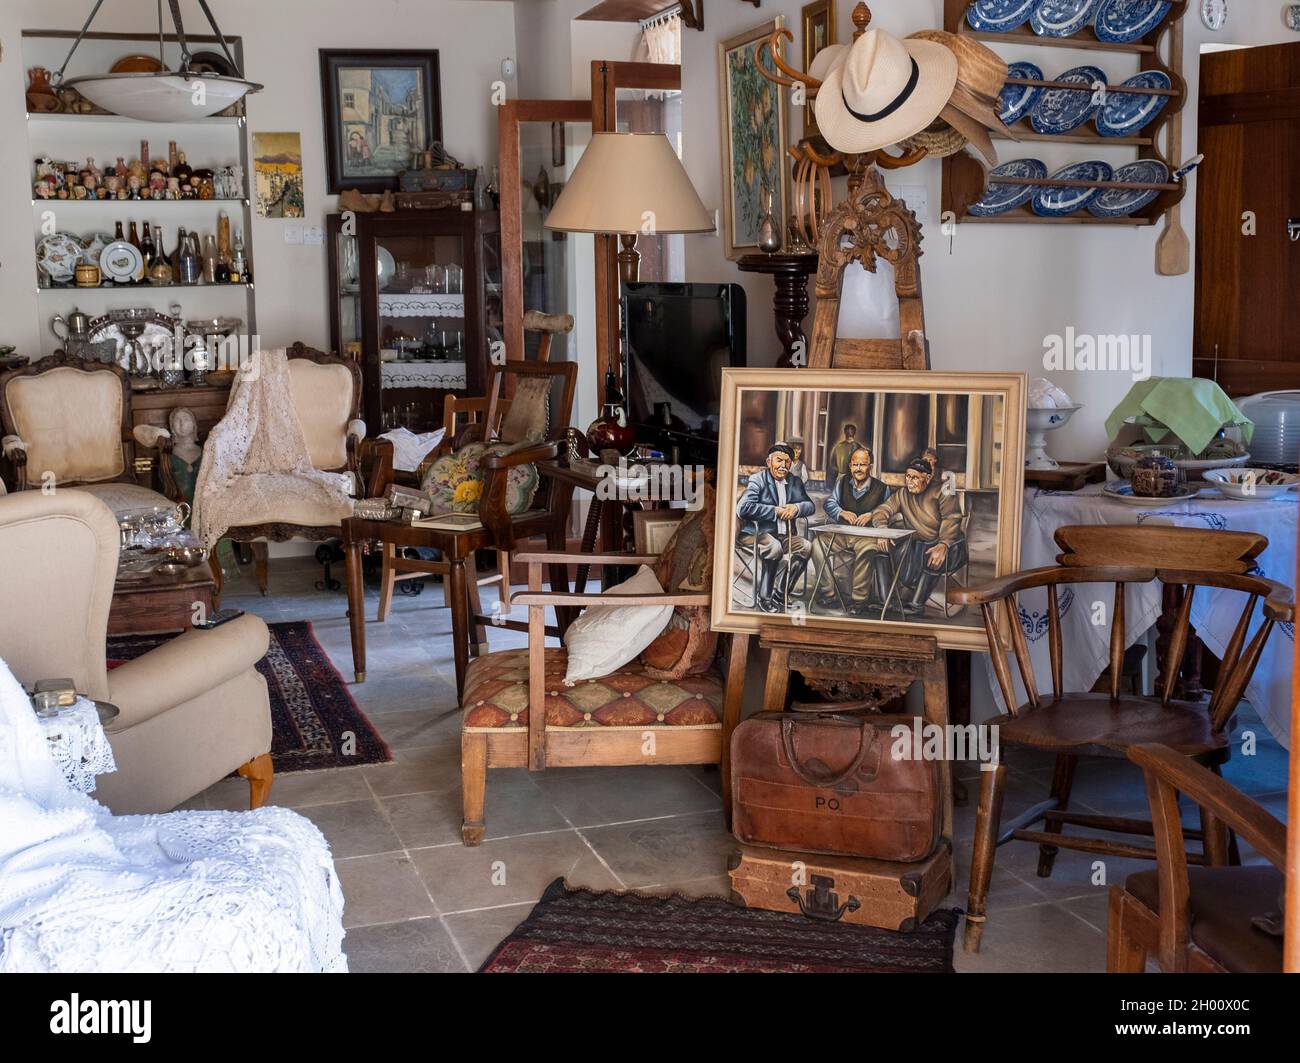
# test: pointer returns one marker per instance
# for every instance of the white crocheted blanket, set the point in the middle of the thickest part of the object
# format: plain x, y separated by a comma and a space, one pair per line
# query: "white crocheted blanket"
82, 890
255, 459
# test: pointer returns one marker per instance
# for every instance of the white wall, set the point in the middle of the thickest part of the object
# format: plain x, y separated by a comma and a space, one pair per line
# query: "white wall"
281, 40
990, 303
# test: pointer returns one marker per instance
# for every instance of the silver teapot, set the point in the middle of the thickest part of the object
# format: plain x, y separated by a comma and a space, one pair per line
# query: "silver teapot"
76, 327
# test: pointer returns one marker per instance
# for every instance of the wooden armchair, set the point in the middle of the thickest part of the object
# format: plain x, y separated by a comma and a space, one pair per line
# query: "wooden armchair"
1199, 919
517, 712
546, 405
1083, 724
67, 423
327, 396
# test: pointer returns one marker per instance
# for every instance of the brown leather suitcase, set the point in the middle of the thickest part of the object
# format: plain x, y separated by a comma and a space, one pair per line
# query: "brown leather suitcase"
877, 893
825, 782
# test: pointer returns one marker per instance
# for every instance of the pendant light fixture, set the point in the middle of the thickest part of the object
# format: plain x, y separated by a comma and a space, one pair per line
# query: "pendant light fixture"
181, 95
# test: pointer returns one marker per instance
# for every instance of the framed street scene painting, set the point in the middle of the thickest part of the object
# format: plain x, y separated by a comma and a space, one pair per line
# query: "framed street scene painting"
755, 173
380, 106
860, 499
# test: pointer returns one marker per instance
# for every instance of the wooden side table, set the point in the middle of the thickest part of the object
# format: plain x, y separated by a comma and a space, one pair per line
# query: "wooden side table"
790, 303
161, 603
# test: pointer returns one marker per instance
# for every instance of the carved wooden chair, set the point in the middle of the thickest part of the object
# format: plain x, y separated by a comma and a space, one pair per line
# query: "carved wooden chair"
1213, 919
543, 406
1107, 724
67, 422
327, 395
517, 712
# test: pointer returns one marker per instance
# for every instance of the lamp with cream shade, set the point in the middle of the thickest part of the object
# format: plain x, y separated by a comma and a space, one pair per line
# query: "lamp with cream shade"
628, 184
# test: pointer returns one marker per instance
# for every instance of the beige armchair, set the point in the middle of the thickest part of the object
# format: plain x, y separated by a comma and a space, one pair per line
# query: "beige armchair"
192, 711
327, 397
67, 423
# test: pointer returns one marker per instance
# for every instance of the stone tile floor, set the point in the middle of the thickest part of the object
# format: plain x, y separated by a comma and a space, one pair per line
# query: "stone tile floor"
418, 900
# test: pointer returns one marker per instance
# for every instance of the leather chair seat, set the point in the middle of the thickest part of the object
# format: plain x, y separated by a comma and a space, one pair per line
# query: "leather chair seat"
1094, 725
1222, 901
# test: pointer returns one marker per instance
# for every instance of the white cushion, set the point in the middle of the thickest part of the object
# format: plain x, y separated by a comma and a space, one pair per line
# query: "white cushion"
606, 637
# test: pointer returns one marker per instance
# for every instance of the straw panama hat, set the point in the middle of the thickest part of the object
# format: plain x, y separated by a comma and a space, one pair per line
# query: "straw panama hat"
981, 74
883, 91
830, 56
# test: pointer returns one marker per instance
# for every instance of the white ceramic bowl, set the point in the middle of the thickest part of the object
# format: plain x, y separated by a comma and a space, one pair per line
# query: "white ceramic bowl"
1244, 485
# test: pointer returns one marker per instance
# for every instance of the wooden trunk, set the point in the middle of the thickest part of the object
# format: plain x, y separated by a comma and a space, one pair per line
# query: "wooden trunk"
876, 893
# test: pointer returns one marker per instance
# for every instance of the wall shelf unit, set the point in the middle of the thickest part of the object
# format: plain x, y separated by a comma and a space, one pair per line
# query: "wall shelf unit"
965, 179
220, 140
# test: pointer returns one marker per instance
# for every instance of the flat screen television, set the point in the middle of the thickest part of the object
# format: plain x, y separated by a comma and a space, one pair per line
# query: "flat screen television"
677, 339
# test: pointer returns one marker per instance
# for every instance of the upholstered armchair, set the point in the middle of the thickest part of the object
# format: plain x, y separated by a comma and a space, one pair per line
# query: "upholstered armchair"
192, 711
67, 423
327, 397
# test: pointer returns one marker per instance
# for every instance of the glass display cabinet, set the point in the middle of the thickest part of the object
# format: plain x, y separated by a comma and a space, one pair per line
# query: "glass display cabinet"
415, 295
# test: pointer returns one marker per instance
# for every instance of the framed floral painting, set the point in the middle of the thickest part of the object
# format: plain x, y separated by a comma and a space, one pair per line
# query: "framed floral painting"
753, 127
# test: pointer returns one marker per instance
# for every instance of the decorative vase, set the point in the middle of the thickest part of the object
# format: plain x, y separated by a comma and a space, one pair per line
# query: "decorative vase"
610, 431
769, 229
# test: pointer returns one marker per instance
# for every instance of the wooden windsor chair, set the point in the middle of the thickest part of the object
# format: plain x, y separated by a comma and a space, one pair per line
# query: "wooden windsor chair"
1084, 724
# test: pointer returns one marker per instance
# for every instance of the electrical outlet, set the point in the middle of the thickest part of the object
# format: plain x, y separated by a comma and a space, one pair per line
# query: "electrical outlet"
917, 198
313, 234
293, 234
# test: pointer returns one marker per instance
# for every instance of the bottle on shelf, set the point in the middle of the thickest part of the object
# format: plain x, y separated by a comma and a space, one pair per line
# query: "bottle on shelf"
117, 234
223, 235
134, 240
175, 257
147, 251
209, 259
238, 267
191, 260
171, 158
160, 271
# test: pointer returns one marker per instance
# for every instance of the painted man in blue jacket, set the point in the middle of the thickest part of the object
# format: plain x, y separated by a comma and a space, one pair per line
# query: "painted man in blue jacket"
771, 502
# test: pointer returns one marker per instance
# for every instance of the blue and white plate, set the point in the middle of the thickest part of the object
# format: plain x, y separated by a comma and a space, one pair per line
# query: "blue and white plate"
1061, 110
1061, 18
1014, 101
998, 16
1000, 198
1122, 491
1125, 21
1052, 202
1124, 113
1121, 202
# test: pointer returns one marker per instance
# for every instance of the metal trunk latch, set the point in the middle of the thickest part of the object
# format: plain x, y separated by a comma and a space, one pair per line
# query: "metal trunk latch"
821, 901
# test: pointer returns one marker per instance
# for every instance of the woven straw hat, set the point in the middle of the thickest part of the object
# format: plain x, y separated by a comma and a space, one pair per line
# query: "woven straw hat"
883, 91
981, 73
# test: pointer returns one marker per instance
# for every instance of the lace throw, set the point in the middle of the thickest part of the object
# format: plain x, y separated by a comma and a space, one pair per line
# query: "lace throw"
256, 456
78, 744
82, 890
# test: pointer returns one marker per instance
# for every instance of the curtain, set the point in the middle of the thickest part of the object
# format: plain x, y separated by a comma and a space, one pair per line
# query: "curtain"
663, 40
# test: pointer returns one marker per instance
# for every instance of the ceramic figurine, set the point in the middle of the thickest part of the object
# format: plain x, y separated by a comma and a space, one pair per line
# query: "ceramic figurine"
133, 187
173, 188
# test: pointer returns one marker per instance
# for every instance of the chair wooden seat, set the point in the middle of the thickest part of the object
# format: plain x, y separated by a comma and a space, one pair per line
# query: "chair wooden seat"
1096, 725
1222, 901
1077, 725
1201, 919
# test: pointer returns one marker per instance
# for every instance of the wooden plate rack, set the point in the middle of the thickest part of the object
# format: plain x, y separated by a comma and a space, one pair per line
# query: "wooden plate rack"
965, 178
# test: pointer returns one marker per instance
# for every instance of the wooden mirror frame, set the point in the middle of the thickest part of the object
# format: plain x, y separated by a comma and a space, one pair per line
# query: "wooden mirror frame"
869, 224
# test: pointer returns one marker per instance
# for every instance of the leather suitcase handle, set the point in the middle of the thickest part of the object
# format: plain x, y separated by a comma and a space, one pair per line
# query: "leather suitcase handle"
866, 734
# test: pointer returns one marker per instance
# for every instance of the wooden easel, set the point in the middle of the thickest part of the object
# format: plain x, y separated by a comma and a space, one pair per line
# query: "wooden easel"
874, 666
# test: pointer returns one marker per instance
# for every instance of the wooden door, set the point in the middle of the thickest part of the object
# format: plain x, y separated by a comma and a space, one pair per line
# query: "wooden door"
511, 116
1247, 311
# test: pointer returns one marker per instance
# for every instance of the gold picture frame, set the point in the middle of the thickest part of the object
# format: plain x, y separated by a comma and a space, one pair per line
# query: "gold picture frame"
753, 150
818, 22
968, 428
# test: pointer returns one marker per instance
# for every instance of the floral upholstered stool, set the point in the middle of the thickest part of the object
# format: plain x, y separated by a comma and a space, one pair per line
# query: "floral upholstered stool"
627, 717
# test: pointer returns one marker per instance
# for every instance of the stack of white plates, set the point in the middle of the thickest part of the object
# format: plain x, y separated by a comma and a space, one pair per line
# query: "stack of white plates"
1277, 426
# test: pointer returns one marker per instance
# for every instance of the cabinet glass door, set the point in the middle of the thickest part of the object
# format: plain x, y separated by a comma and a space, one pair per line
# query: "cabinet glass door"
347, 283
421, 293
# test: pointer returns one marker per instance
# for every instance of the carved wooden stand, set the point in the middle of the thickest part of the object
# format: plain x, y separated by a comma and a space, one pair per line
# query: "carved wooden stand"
876, 668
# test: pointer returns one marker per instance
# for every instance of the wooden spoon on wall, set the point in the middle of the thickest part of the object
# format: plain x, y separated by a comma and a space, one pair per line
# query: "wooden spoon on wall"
1173, 249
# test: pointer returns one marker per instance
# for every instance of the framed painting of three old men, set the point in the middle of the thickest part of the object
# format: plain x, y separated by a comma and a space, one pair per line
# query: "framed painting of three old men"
860, 499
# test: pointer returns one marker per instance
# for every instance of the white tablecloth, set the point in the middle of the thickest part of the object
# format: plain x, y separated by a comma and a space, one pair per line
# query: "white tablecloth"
78, 744
1214, 612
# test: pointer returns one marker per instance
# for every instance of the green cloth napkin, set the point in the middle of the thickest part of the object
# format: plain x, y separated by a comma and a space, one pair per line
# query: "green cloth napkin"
1194, 409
